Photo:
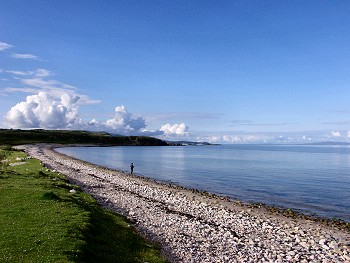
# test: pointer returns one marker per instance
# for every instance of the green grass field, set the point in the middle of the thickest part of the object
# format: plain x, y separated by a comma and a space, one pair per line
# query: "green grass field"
41, 221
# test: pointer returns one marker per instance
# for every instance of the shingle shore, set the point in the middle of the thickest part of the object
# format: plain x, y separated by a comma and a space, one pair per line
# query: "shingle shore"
192, 227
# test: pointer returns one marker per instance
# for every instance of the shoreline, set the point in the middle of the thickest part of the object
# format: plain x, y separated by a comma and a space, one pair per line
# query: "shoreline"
275, 209
195, 226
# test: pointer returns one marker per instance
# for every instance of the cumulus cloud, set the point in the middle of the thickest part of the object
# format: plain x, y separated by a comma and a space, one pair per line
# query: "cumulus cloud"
4, 46
123, 122
93, 122
44, 111
61, 111
24, 56
336, 134
175, 129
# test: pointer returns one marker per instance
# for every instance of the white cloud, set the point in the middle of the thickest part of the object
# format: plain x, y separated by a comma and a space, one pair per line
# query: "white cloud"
212, 139
24, 90
4, 46
175, 129
62, 112
37, 73
24, 56
122, 122
244, 138
93, 122
18, 72
56, 88
44, 111
46, 84
262, 137
306, 138
86, 100
52, 87
41, 73
336, 134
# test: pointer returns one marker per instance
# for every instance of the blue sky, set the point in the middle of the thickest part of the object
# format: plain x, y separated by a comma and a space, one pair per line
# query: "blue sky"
220, 71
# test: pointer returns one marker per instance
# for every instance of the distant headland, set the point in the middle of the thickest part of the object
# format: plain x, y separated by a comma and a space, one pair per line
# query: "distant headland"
329, 143
189, 143
17, 136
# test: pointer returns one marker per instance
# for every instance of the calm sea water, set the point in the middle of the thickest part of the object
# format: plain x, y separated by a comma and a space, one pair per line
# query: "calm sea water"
312, 179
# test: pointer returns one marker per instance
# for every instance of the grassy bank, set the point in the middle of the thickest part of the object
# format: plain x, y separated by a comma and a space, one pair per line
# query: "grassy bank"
41, 220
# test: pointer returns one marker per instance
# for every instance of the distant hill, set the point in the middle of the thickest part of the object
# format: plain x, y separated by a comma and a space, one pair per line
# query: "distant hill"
329, 143
16, 137
189, 143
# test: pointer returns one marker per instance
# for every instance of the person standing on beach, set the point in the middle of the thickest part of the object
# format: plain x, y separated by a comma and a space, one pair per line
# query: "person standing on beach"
132, 168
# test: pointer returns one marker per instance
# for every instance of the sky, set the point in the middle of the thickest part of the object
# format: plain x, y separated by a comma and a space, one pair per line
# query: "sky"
216, 71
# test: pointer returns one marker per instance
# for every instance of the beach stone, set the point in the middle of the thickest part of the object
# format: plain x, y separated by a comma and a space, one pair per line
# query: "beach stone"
333, 245
304, 244
325, 247
193, 226
322, 241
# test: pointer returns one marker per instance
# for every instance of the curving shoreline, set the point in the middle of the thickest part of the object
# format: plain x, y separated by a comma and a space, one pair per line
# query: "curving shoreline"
196, 228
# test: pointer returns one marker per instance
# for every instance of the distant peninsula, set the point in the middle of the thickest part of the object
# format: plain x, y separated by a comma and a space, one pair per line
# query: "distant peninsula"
329, 143
17, 137
189, 143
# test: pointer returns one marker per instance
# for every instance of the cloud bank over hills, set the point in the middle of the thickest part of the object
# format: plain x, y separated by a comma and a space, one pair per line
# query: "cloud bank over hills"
57, 110
53, 104
51, 112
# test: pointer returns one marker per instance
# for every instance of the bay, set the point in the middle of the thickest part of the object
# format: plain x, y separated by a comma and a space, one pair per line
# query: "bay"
311, 179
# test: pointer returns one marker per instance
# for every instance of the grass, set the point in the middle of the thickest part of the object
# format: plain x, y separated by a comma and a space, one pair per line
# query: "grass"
41, 221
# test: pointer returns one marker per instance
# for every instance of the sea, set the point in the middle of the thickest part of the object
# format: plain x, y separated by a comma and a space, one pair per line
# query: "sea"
311, 179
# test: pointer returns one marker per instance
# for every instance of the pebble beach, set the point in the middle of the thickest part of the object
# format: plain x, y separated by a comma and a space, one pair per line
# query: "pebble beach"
192, 226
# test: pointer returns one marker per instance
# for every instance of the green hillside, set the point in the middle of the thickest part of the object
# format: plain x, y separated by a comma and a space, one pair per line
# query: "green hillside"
16, 137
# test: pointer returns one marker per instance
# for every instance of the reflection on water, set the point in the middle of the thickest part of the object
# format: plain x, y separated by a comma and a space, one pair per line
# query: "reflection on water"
313, 179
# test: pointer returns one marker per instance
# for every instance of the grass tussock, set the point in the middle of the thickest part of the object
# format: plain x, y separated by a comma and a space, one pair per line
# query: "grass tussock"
42, 221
